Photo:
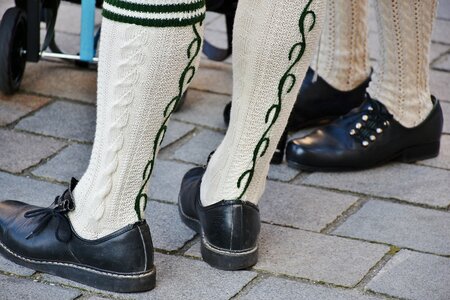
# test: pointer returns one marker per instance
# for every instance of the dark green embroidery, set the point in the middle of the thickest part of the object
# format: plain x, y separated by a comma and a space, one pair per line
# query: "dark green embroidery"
285, 86
157, 8
186, 76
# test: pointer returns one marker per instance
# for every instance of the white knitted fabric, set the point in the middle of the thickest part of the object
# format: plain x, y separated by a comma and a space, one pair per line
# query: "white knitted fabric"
142, 73
401, 78
343, 59
269, 65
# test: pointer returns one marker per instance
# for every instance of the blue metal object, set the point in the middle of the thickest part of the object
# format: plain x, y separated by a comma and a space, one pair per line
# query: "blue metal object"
87, 33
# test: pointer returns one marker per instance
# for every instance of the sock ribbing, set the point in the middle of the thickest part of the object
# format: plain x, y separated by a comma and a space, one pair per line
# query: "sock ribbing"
401, 77
163, 13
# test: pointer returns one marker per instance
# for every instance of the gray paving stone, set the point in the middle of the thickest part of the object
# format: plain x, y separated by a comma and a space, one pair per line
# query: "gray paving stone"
443, 160
302, 207
213, 77
437, 50
446, 112
18, 105
443, 9
441, 31
63, 119
182, 278
29, 190
20, 151
60, 80
412, 275
168, 232
314, 256
166, 180
198, 148
69, 18
277, 288
439, 84
282, 172
443, 63
70, 162
412, 183
15, 288
401, 225
175, 131
204, 109
10, 267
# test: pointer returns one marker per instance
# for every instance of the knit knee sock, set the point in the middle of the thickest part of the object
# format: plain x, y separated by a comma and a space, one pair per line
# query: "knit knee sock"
273, 45
149, 52
401, 78
342, 59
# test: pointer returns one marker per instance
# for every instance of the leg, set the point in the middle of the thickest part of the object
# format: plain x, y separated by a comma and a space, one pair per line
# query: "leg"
400, 120
273, 46
148, 55
401, 81
343, 56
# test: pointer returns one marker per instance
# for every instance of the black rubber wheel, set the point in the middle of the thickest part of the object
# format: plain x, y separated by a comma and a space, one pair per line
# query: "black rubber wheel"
13, 37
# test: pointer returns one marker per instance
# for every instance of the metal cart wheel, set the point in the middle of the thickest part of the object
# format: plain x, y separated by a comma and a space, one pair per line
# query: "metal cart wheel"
13, 37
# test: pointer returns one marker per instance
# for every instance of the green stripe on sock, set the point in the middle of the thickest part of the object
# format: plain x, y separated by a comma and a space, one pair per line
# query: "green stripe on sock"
155, 8
153, 22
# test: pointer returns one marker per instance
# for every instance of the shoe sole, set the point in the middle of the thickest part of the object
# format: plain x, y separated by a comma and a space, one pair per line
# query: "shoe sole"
408, 155
220, 258
112, 282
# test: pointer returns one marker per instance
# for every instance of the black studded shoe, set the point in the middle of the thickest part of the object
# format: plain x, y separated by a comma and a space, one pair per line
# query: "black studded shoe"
366, 137
317, 103
229, 229
43, 239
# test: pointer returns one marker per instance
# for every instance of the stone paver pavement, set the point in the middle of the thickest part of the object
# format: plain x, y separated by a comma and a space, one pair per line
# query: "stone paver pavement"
376, 234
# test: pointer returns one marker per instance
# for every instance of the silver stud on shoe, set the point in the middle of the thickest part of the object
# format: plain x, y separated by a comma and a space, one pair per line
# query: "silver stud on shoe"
352, 132
365, 143
365, 118
379, 130
373, 138
358, 125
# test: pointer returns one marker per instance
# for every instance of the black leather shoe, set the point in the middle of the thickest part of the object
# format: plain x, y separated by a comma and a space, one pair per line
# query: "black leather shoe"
229, 229
318, 103
366, 137
44, 240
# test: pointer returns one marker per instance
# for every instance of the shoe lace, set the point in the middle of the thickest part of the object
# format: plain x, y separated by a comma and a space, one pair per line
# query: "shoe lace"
58, 210
373, 121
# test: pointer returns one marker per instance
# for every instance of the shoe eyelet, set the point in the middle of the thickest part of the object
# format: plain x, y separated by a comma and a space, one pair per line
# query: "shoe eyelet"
373, 138
365, 143
352, 132
365, 117
358, 125
379, 130
370, 108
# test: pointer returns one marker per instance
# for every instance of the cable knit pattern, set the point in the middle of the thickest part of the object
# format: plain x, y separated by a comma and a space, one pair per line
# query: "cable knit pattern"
343, 59
273, 46
139, 76
130, 59
401, 77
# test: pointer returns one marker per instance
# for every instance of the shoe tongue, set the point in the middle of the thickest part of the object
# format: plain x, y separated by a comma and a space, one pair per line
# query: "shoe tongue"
68, 194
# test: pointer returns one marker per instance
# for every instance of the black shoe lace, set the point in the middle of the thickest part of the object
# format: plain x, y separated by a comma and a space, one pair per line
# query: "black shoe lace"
58, 210
373, 121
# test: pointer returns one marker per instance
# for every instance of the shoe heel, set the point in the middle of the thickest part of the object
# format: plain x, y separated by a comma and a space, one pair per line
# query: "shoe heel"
228, 260
420, 152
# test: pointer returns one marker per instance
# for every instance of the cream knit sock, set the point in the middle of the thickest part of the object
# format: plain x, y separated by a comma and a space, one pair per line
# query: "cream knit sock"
343, 59
400, 81
149, 51
273, 45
